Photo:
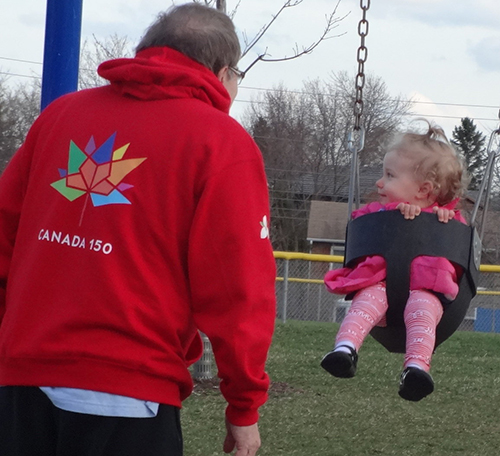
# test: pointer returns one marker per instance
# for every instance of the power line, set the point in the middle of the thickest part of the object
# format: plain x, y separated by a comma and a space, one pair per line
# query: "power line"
262, 89
20, 60
408, 114
485, 119
20, 75
453, 104
450, 117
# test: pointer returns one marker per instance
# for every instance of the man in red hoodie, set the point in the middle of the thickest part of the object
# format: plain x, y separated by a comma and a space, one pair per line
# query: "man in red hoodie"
134, 216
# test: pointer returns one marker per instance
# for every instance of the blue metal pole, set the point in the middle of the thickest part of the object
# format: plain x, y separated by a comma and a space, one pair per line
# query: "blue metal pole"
62, 49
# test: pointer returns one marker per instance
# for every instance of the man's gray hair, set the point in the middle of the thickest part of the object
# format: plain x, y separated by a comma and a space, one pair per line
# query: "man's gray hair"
197, 31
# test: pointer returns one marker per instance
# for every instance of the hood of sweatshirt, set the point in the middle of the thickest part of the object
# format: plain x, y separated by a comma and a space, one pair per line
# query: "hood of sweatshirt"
160, 73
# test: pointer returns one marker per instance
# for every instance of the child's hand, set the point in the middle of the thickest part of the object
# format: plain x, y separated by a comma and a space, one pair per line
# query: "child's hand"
410, 211
443, 214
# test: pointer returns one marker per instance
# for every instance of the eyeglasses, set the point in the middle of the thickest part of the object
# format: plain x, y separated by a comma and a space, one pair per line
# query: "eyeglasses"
239, 74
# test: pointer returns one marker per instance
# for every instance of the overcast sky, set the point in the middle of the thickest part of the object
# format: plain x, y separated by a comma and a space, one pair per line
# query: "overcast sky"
443, 53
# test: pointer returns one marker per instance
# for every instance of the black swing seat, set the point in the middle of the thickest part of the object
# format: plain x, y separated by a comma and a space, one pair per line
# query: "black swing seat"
399, 241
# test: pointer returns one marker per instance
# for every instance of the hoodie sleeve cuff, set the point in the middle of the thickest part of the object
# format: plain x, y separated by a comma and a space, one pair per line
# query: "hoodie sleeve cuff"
240, 417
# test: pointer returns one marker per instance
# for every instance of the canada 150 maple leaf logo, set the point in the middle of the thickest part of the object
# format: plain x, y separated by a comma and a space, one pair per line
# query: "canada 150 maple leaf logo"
97, 172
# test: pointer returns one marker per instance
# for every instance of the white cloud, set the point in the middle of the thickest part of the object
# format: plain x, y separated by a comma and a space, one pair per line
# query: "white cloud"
446, 116
456, 13
33, 19
486, 53
448, 50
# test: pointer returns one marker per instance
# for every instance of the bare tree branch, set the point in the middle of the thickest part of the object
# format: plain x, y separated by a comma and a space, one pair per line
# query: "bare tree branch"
250, 44
260, 57
210, 3
331, 23
220, 5
234, 10
94, 53
206, 2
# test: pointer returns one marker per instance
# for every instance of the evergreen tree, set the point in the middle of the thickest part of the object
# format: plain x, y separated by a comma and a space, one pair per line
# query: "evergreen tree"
470, 142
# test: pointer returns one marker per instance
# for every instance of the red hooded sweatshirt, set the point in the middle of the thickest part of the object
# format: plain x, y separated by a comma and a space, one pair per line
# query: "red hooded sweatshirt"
133, 216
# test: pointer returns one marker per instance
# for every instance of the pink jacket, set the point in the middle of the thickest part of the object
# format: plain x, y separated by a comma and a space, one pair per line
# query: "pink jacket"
430, 273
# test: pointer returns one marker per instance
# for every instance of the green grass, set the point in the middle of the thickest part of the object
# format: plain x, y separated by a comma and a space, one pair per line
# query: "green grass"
310, 413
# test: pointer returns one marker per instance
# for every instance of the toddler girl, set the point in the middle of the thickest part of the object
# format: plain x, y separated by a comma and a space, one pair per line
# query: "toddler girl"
421, 172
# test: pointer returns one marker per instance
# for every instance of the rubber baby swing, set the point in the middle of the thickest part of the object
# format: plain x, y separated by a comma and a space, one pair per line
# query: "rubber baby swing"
399, 241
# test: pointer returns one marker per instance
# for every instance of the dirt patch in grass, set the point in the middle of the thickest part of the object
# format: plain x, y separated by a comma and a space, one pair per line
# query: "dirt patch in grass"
284, 388
205, 386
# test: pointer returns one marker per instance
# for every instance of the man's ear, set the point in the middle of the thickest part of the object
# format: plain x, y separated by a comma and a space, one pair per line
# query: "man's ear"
426, 189
222, 74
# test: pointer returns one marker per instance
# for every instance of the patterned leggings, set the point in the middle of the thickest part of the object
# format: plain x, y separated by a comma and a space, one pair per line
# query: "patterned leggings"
422, 314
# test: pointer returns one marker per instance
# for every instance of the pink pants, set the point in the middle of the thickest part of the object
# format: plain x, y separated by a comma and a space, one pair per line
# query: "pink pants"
422, 314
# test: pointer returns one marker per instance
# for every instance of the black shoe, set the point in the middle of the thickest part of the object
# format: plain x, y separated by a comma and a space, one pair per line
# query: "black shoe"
415, 384
341, 364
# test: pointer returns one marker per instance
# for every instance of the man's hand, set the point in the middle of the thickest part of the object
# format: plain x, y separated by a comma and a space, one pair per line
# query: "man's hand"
246, 439
443, 214
410, 211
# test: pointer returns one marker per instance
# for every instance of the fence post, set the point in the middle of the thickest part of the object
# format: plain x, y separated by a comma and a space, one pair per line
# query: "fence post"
319, 304
285, 289
202, 369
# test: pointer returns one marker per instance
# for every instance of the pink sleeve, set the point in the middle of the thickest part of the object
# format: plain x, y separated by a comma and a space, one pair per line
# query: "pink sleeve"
367, 209
451, 206
460, 217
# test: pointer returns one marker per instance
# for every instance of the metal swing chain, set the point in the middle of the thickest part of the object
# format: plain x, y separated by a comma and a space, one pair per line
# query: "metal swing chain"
362, 55
363, 27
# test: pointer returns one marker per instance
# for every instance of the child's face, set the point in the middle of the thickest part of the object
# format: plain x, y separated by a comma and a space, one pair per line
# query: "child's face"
398, 183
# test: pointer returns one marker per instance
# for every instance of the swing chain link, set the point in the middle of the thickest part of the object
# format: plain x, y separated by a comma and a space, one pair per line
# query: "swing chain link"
354, 189
362, 55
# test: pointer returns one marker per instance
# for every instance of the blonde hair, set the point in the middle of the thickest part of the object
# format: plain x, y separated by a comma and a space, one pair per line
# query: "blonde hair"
435, 160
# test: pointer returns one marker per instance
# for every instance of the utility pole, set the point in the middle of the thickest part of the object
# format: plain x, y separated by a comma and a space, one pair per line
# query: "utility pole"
221, 5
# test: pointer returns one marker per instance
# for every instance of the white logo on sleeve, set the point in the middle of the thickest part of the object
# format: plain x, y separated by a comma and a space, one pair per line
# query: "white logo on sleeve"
264, 232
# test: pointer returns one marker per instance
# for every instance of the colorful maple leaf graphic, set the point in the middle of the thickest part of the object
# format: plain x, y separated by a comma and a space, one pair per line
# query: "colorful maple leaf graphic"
97, 172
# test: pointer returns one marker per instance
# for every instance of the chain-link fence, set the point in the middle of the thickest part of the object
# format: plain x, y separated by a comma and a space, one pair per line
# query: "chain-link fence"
301, 294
